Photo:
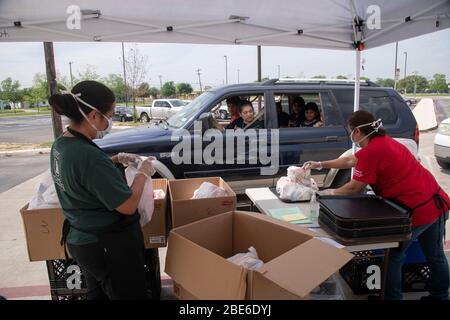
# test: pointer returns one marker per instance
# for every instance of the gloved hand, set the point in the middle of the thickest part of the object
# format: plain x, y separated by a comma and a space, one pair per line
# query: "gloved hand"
128, 159
312, 165
327, 192
146, 168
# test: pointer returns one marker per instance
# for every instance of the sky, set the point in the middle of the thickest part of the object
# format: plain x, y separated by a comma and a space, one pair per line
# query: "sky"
427, 55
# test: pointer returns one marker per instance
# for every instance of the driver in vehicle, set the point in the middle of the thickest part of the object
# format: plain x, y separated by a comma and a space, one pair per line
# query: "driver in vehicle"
247, 119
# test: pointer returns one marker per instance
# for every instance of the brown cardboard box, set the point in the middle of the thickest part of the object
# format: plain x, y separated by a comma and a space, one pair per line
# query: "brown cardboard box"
155, 232
185, 210
43, 228
295, 262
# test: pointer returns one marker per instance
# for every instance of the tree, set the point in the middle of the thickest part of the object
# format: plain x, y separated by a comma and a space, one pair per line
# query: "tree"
153, 92
388, 83
206, 88
38, 92
10, 91
136, 69
143, 90
184, 88
168, 89
439, 83
87, 74
364, 78
117, 85
409, 82
319, 77
341, 77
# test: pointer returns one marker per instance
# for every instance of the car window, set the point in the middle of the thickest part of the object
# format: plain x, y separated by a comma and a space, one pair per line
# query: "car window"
177, 103
293, 114
165, 104
158, 103
377, 102
190, 111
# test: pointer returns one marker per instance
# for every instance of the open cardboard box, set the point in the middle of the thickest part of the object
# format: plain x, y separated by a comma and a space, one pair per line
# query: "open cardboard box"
295, 262
43, 228
185, 210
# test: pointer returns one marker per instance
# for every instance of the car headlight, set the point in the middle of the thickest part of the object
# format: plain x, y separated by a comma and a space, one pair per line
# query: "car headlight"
444, 128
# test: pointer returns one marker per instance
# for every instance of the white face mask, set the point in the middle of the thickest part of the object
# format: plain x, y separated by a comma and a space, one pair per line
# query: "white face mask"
377, 124
100, 133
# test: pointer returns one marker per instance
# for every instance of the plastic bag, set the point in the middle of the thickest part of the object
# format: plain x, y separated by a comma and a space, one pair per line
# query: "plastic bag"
209, 190
45, 196
146, 203
247, 260
297, 186
158, 194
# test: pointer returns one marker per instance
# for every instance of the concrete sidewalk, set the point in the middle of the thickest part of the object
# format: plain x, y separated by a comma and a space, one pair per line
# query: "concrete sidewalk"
22, 279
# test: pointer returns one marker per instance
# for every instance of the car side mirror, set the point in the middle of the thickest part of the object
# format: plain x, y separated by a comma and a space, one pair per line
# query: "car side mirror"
207, 121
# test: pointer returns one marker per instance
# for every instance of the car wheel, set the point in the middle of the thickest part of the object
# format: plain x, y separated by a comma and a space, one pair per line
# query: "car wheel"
223, 115
342, 177
122, 119
444, 165
144, 118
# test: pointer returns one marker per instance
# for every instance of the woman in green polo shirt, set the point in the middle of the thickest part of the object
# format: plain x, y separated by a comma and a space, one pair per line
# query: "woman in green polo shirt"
101, 225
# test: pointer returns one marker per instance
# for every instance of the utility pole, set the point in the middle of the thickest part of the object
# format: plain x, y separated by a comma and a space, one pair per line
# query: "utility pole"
160, 82
199, 79
238, 75
279, 73
406, 60
52, 88
395, 69
71, 76
124, 75
226, 69
259, 62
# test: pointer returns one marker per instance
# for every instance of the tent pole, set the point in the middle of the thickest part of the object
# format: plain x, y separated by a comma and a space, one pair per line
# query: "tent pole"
357, 78
259, 63
52, 88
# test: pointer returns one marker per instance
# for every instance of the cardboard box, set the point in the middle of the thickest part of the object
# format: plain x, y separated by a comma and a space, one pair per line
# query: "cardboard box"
185, 210
155, 232
295, 262
43, 228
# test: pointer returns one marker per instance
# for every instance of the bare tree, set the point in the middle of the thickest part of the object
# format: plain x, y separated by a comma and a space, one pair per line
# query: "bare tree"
136, 69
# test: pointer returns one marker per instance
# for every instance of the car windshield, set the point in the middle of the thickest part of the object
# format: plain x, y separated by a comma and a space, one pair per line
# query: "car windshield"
177, 103
179, 119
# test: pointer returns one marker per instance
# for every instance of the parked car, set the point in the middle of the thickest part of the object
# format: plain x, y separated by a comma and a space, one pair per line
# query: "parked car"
222, 112
186, 102
442, 144
296, 145
161, 109
123, 114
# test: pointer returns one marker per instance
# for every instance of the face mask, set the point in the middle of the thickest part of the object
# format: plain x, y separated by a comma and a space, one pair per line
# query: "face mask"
100, 133
377, 124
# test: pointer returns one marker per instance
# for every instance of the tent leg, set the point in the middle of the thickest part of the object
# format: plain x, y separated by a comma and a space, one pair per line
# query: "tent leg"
52, 89
357, 78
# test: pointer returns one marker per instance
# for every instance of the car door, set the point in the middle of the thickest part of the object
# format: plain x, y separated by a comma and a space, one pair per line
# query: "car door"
238, 175
300, 144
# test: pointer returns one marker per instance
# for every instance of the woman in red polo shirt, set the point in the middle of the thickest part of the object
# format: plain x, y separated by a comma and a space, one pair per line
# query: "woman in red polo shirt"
394, 173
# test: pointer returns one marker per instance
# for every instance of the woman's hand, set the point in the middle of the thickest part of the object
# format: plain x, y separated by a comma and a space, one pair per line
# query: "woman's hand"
146, 167
312, 165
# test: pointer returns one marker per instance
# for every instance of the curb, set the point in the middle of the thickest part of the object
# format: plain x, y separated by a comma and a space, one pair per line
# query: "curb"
12, 152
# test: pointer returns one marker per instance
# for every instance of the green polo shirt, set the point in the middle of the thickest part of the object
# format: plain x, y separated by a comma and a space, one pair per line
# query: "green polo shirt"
89, 187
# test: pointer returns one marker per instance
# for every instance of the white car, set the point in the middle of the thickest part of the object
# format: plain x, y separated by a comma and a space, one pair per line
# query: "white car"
442, 144
160, 109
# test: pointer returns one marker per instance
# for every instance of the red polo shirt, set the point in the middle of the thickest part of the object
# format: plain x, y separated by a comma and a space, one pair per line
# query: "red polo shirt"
394, 173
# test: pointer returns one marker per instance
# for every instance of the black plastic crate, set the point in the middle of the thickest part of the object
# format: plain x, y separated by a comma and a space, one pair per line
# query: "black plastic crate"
58, 274
415, 277
355, 271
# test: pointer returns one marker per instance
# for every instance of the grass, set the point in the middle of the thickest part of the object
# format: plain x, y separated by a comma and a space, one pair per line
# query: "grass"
22, 113
412, 95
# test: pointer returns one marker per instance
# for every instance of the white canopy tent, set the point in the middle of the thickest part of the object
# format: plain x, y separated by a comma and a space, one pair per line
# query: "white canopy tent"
329, 24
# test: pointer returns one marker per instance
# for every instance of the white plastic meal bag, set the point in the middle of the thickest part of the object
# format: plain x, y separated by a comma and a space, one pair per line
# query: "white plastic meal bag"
146, 204
247, 260
45, 196
209, 190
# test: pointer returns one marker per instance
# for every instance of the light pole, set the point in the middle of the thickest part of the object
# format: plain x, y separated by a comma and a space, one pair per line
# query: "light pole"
199, 79
406, 60
124, 75
279, 73
238, 74
395, 69
71, 76
160, 82
226, 69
